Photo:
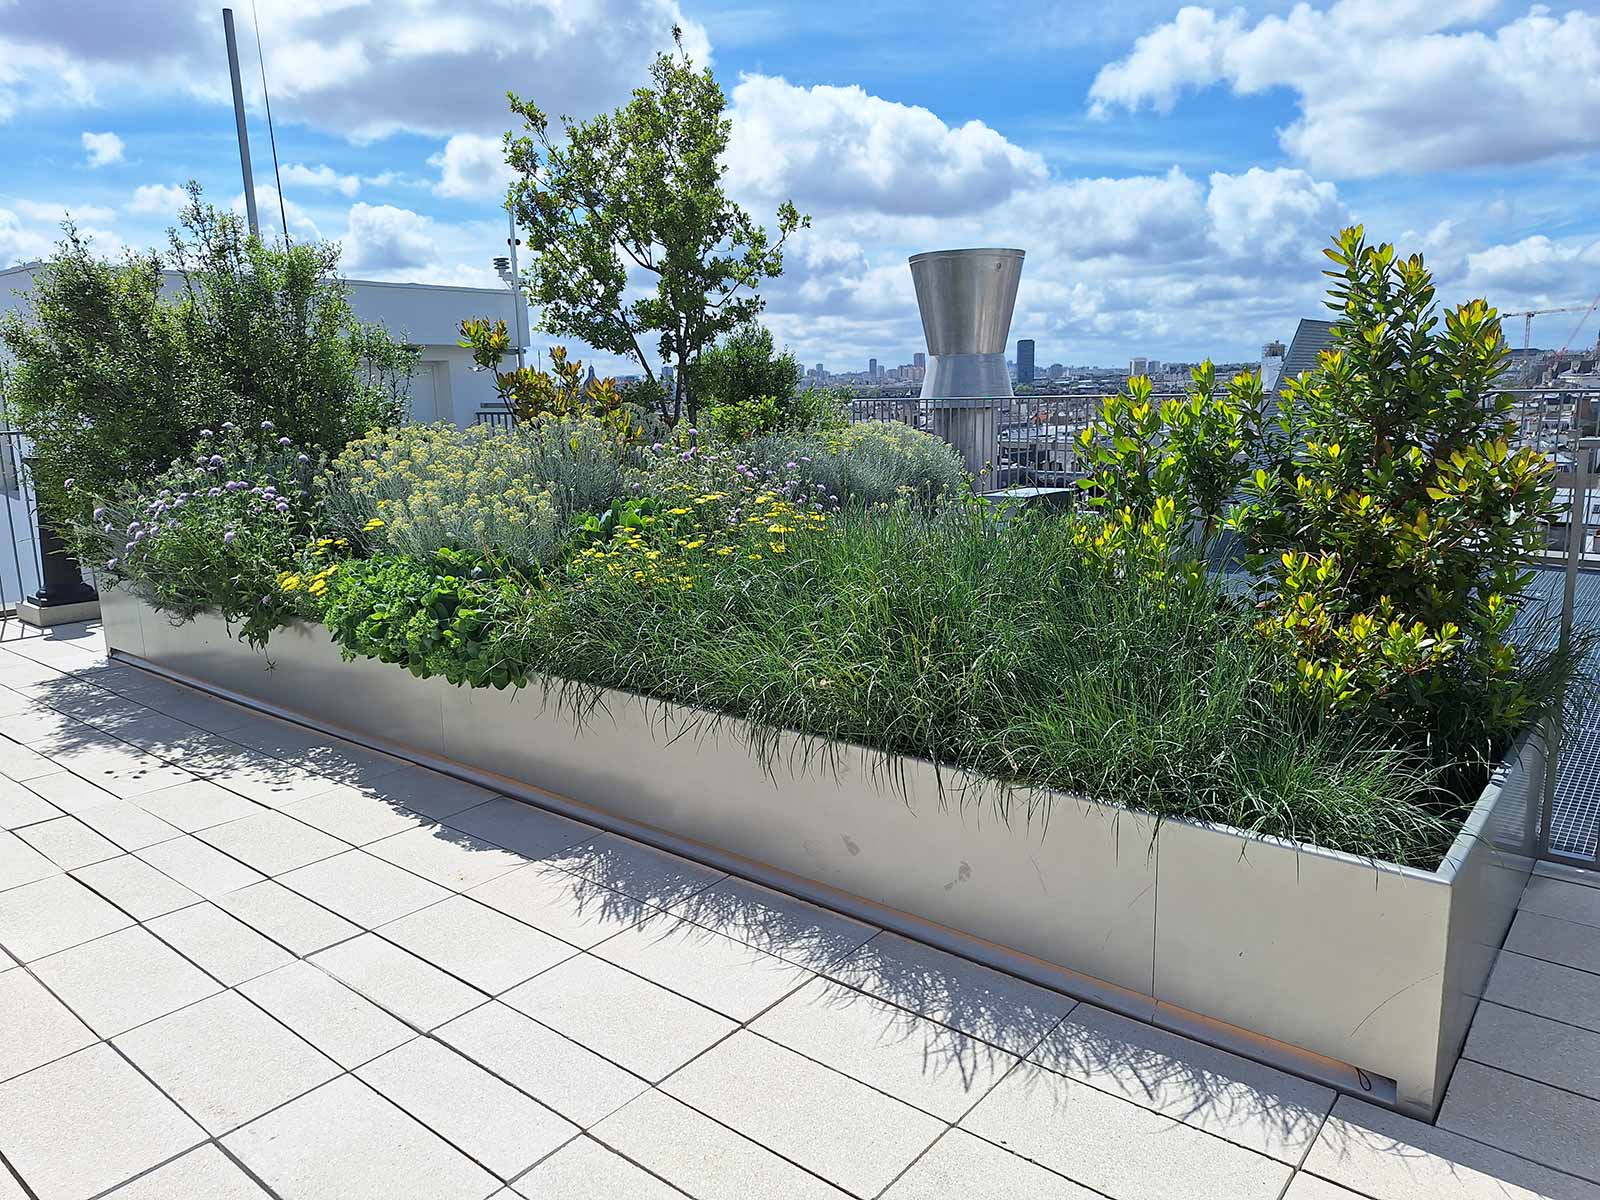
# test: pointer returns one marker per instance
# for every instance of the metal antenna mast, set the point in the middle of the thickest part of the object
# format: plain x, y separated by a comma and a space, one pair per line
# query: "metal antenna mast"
277, 179
244, 131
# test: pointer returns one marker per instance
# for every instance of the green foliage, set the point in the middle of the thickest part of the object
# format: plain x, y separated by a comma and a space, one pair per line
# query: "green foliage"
212, 533
868, 463
504, 495
561, 392
749, 390
640, 189
1393, 523
1002, 648
112, 381
1161, 464
442, 615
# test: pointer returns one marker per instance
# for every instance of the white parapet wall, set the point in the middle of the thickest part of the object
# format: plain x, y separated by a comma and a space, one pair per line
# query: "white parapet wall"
1359, 973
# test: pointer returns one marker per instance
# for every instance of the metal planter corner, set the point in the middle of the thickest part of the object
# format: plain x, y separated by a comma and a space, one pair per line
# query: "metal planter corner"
1364, 975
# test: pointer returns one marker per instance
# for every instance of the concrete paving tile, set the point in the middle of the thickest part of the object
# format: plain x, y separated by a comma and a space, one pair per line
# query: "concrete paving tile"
128, 825
706, 1160
1117, 1148
264, 779
122, 980
218, 944
931, 1066
345, 1142
1549, 989
37, 1027
10, 1189
38, 724
991, 1006
1536, 1047
583, 1169
419, 994
205, 1173
21, 806
88, 1122
23, 763
69, 843
1554, 940
1307, 1187
115, 766
629, 1020
348, 1028
273, 843
561, 904
41, 918
577, 1083
730, 977
479, 944
973, 1169
286, 917
640, 871
804, 934
521, 828
202, 869
1267, 1110
225, 1061
197, 805
428, 792
362, 888
68, 792
486, 1118
20, 863
1559, 898
354, 815
136, 887
1531, 1119
446, 856
852, 1136
1385, 1156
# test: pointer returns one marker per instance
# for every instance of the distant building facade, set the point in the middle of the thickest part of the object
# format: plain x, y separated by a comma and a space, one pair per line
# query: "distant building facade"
1025, 360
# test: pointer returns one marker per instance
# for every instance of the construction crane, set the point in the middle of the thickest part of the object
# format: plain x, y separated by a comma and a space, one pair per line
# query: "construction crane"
1528, 315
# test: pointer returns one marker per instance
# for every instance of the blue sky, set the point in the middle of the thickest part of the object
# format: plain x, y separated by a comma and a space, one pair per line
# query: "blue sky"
1171, 172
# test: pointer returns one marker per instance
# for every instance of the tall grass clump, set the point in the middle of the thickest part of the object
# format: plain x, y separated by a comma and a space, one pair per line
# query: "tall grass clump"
868, 463
1002, 648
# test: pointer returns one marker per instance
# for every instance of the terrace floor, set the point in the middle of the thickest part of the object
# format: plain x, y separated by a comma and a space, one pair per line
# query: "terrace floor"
242, 959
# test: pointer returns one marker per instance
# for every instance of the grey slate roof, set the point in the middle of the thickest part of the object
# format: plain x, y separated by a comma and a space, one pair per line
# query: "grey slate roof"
1310, 339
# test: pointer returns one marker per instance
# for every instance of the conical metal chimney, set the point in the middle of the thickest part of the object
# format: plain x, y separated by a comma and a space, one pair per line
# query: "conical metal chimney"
966, 298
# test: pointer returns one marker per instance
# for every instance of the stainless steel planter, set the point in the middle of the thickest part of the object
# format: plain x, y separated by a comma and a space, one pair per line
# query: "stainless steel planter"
1363, 974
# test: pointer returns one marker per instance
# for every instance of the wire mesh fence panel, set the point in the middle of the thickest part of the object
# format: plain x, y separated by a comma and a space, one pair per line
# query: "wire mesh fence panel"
20, 570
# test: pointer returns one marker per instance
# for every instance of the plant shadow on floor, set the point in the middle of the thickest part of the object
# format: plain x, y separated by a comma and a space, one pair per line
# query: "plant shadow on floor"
963, 1021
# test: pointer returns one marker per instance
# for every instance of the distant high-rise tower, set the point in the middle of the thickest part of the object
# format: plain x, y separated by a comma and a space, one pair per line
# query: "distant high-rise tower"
1024, 360
872, 368
1139, 366
822, 375
919, 360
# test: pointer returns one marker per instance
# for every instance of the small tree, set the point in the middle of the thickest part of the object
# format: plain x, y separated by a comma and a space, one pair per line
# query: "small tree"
640, 190
1393, 525
531, 394
113, 380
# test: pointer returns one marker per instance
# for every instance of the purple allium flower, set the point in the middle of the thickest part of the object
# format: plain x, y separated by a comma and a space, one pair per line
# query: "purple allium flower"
206, 433
69, 482
111, 563
215, 460
266, 425
128, 548
227, 537
282, 506
99, 514
790, 466
283, 441
694, 433
656, 447
302, 459
213, 492
229, 425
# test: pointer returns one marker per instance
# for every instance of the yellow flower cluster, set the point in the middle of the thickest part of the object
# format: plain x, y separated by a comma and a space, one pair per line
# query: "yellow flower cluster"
313, 585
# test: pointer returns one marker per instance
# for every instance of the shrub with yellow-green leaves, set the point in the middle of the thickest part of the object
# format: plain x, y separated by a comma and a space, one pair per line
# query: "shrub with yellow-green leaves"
1392, 521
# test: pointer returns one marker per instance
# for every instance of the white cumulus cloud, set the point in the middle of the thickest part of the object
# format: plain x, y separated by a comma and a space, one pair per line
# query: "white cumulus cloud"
157, 200
321, 176
1402, 85
383, 238
834, 148
102, 149
471, 167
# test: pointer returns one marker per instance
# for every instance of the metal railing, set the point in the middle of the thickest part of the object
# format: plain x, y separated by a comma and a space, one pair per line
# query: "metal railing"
21, 570
500, 418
